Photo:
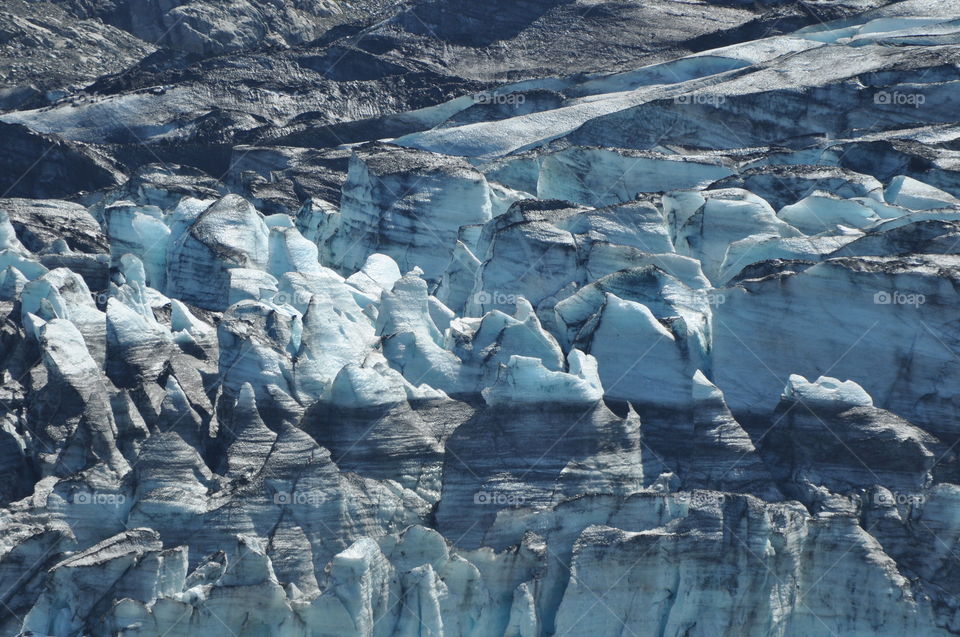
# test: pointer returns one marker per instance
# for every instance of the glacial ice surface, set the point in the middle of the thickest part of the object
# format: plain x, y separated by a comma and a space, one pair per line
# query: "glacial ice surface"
670, 351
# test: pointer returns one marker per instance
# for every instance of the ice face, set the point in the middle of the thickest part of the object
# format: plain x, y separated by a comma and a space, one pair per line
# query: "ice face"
911, 193
379, 346
387, 204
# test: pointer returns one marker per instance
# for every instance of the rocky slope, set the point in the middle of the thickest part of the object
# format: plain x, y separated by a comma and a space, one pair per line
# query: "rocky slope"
356, 319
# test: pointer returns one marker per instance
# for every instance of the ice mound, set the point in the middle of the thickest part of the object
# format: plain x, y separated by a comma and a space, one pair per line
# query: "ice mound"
827, 392
524, 380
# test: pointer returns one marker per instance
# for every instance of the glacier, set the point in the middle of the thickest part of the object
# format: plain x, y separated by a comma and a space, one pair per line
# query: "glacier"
665, 345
